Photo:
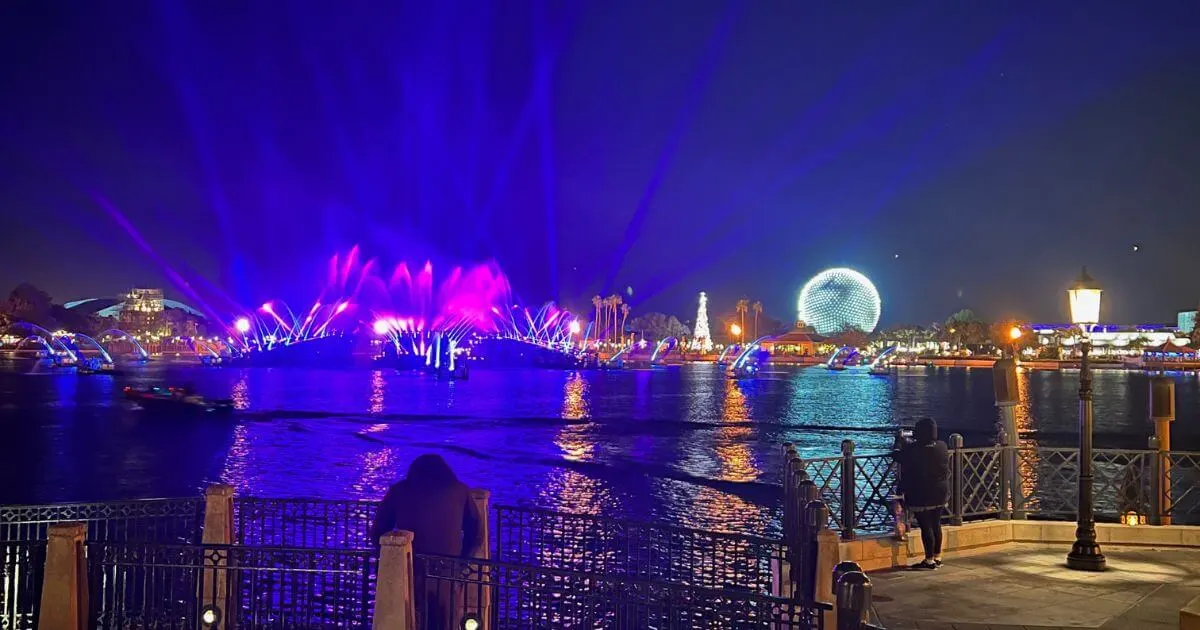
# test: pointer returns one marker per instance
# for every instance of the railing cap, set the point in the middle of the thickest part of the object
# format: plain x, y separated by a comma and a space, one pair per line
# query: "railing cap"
847, 447
221, 490
956, 440
397, 538
74, 531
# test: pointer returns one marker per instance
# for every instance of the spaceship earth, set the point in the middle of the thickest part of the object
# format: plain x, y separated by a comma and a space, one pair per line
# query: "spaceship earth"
838, 297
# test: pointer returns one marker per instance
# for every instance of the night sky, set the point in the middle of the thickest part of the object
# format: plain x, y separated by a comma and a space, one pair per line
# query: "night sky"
965, 154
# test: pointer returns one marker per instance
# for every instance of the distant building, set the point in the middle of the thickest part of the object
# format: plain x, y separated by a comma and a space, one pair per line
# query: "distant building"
146, 314
143, 313
1186, 322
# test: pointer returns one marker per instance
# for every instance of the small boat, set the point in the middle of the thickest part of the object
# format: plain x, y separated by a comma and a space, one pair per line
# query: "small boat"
835, 366
176, 400
880, 370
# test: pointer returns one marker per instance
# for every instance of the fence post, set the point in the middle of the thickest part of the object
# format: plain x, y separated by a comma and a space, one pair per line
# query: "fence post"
828, 557
480, 599
847, 482
816, 519
218, 530
395, 608
1157, 513
64, 604
1162, 411
1004, 506
800, 540
956, 479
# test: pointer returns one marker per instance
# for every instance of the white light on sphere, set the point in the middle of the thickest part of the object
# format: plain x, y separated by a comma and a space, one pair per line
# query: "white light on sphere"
840, 297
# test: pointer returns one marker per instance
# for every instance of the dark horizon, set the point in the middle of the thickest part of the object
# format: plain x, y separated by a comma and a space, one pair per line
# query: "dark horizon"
959, 156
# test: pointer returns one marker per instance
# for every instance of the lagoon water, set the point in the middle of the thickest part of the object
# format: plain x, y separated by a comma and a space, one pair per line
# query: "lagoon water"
682, 445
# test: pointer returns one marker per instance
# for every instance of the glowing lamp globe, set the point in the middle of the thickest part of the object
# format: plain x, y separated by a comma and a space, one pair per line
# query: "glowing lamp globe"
837, 298
242, 325
1084, 297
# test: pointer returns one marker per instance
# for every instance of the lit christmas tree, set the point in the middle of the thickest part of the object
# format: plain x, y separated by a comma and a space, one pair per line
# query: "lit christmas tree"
702, 339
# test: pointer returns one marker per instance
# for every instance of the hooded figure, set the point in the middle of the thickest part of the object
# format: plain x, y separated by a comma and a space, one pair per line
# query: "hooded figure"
925, 482
435, 506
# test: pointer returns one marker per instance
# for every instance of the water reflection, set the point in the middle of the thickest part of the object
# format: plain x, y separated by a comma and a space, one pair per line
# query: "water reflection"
378, 384
241, 392
733, 441
575, 400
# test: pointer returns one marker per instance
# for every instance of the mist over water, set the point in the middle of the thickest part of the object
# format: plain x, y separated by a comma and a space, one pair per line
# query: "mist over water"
683, 445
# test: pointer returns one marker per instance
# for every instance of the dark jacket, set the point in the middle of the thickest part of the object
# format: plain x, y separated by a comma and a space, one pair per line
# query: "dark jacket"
924, 467
435, 506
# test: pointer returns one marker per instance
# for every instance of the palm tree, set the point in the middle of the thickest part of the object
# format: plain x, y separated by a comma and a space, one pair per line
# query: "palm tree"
758, 309
742, 306
613, 302
596, 301
624, 316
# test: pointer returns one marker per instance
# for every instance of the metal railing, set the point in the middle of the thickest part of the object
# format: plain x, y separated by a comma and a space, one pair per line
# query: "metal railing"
1008, 482
302, 522
542, 538
519, 596
636, 550
147, 585
23, 533
21, 583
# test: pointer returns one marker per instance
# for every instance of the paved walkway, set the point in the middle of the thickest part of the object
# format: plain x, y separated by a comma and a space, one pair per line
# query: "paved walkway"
1029, 586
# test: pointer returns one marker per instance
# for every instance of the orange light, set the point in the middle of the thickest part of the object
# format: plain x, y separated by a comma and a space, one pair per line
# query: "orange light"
1014, 333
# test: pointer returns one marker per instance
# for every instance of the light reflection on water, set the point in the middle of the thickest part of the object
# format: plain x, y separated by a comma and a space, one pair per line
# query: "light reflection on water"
683, 445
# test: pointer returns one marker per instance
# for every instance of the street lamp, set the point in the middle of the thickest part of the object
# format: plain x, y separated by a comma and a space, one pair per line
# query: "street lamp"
736, 331
1084, 297
1014, 334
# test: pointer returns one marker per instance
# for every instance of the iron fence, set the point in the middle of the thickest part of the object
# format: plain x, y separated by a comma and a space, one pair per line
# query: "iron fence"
143, 585
144, 520
519, 596
303, 522
24, 530
21, 583
635, 550
1015, 481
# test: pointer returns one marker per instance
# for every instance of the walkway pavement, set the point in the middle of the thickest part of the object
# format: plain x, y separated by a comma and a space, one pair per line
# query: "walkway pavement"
1029, 586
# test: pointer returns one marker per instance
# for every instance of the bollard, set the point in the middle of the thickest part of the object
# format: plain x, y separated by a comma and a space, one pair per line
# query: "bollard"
828, 552
956, 479
478, 599
64, 603
853, 600
849, 502
1162, 412
395, 608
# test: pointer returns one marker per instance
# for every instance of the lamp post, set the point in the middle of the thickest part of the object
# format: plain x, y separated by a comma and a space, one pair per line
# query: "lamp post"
1014, 334
1084, 297
736, 332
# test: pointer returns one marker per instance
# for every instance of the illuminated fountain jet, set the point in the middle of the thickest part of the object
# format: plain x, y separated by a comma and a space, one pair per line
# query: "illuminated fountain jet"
549, 326
427, 319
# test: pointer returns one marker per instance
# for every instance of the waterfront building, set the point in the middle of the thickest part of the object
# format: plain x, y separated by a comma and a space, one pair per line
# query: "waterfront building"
801, 341
1111, 339
146, 314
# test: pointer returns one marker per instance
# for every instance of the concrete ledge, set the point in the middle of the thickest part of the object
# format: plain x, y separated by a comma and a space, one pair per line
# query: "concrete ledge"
885, 552
1189, 616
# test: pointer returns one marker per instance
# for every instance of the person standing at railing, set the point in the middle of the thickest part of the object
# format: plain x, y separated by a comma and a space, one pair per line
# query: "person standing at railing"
925, 483
436, 507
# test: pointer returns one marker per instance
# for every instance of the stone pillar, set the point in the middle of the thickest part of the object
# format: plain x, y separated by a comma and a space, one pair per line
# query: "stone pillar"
64, 604
215, 600
1162, 412
395, 608
479, 597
